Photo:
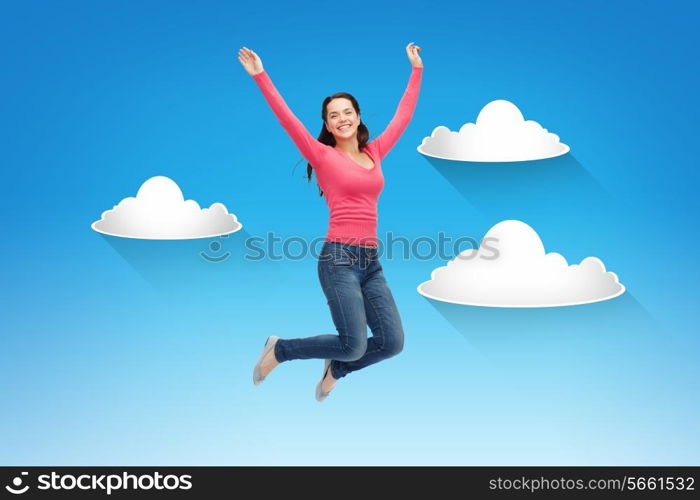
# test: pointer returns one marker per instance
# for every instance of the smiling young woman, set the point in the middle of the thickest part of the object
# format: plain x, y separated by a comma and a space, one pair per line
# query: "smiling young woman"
349, 174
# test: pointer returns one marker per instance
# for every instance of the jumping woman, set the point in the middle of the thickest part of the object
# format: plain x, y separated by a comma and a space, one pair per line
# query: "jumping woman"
349, 174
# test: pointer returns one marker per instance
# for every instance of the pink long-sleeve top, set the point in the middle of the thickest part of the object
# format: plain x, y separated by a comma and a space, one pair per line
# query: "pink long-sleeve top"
351, 190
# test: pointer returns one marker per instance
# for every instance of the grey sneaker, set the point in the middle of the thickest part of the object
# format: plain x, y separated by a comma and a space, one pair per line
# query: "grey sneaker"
320, 395
269, 345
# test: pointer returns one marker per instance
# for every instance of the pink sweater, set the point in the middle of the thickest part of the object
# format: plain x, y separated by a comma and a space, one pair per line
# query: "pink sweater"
351, 191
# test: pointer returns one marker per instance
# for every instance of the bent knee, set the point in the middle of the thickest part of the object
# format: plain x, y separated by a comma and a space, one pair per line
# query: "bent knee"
353, 351
393, 347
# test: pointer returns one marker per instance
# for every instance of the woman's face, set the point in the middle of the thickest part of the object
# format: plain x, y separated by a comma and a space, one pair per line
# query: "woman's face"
341, 119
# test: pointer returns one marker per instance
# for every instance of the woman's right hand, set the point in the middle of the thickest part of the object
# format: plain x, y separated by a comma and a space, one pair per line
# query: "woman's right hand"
250, 61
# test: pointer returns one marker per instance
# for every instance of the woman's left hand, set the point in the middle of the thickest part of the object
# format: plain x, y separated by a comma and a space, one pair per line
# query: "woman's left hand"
412, 51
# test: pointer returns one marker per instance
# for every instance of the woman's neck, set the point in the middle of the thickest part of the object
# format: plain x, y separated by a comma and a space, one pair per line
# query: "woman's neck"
348, 146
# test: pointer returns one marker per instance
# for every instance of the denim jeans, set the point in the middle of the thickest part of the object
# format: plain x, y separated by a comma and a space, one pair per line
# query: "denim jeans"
358, 296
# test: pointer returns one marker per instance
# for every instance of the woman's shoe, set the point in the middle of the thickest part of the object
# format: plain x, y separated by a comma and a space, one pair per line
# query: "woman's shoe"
320, 395
269, 345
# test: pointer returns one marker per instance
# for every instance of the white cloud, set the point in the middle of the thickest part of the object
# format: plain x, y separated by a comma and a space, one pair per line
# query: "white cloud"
500, 134
160, 212
511, 269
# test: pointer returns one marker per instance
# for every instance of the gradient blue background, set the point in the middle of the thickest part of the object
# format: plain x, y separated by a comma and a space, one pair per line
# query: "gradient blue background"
111, 354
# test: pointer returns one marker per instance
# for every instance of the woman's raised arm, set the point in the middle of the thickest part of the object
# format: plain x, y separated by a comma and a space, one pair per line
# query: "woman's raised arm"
309, 147
407, 105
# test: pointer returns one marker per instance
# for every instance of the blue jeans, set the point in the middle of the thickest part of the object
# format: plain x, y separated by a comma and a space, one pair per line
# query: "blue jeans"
358, 295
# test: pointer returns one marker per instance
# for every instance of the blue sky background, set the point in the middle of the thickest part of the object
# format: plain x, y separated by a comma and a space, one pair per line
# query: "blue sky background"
139, 353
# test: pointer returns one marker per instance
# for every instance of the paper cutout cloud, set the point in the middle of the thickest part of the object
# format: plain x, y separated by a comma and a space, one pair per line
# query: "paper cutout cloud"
160, 212
511, 269
500, 134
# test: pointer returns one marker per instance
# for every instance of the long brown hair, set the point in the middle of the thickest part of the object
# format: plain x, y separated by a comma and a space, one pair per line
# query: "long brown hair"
327, 138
